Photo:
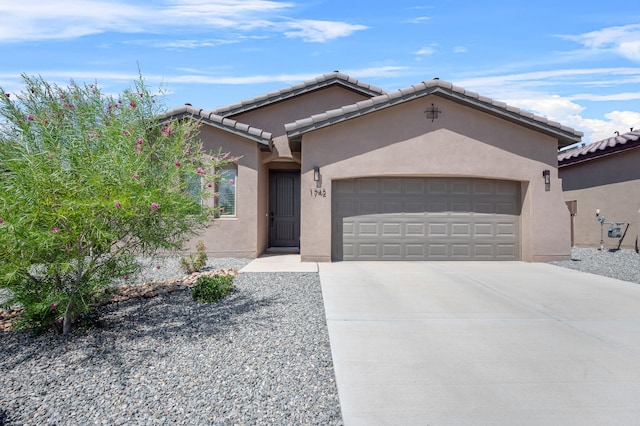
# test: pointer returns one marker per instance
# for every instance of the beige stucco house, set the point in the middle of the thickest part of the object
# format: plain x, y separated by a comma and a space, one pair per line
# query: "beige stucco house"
340, 170
604, 176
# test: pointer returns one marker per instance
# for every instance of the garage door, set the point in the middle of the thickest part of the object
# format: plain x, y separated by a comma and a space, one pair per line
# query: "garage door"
395, 218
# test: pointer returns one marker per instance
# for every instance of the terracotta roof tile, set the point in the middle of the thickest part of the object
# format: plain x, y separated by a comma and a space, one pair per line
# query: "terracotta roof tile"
334, 78
217, 121
600, 148
564, 134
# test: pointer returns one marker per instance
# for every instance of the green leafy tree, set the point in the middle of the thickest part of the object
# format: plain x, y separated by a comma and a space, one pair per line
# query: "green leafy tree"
88, 182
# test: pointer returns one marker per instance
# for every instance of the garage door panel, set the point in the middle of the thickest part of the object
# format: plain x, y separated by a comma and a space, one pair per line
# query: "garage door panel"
426, 219
391, 229
415, 230
368, 186
414, 186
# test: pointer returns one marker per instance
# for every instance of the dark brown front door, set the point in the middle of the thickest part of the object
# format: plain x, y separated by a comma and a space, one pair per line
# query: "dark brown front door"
284, 209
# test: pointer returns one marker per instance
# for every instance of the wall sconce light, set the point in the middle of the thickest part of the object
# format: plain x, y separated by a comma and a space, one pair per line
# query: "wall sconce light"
316, 173
432, 113
546, 174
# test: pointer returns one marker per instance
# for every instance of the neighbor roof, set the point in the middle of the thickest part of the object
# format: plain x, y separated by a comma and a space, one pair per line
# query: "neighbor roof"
331, 79
217, 121
565, 135
599, 149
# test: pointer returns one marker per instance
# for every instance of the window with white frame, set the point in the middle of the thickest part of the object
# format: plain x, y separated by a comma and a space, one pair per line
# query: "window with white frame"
227, 191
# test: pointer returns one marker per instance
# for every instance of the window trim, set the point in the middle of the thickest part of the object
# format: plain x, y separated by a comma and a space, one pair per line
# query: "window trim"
230, 168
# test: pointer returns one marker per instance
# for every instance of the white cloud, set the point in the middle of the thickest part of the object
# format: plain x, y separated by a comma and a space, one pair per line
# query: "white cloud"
426, 51
621, 40
616, 121
65, 19
321, 31
183, 44
419, 19
459, 49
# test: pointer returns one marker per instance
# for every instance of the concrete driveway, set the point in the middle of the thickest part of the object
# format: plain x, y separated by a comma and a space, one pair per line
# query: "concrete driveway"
479, 343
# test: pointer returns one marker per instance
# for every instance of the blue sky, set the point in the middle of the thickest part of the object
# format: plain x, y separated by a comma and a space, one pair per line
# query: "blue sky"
577, 62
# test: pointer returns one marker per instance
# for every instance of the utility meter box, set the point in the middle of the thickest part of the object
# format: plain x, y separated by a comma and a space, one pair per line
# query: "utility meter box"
615, 232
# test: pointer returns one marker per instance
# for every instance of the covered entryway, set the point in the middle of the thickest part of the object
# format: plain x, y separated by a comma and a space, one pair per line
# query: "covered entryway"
425, 218
284, 209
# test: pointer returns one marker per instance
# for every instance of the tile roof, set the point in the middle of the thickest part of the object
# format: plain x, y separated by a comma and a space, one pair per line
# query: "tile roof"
599, 149
326, 80
565, 135
217, 121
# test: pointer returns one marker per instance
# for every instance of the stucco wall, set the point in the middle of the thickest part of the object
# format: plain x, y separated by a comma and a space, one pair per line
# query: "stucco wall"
400, 141
611, 184
235, 236
273, 117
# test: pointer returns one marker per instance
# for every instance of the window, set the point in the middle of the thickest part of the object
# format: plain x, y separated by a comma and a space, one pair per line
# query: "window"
227, 192
193, 186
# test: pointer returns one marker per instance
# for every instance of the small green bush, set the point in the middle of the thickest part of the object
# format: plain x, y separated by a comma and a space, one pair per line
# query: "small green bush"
211, 288
195, 262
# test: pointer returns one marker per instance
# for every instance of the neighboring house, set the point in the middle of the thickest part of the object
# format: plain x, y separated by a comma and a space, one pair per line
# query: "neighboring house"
604, 176
341, 170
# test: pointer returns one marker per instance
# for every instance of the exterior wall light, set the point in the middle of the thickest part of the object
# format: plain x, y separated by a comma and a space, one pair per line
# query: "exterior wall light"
316, 173
546, 174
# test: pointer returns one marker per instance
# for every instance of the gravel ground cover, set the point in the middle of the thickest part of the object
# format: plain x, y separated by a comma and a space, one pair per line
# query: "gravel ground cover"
259, 356
621, 264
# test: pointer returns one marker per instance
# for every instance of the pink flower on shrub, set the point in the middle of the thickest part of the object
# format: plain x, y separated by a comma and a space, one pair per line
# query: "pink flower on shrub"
30, 118
53, 306
106, 197
200, 171
1, 221
8, 95
165, 131
55, 230
154, 206
60, 320
132, 104
178, 163
140, 140
126, 277
117, 204
209, 185
158, 267
135, 176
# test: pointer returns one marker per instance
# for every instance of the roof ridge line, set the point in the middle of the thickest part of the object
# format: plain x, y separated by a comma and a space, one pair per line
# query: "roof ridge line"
296, 89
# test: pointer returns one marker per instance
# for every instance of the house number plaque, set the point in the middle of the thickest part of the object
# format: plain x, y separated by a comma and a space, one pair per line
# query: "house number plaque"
318, 192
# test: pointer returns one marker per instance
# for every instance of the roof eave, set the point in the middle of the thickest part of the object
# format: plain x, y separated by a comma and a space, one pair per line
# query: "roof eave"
260, 136
564, 137
570, 161
309, 86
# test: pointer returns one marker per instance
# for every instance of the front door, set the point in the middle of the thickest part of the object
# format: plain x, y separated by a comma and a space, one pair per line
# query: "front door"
284, 209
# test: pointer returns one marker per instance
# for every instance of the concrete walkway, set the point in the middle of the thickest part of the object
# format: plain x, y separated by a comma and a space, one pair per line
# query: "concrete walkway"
477, 343
280, 263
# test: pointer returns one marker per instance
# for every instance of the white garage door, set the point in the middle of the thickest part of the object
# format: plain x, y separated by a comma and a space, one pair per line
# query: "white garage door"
396, 218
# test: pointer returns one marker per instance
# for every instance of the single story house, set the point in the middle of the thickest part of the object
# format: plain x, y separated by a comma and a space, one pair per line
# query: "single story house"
603, 176
338, 169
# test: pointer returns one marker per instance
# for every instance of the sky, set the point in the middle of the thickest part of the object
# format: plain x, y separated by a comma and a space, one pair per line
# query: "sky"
576, 62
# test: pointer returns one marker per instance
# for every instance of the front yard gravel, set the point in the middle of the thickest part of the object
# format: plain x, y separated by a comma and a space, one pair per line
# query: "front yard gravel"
620, 264
259, 356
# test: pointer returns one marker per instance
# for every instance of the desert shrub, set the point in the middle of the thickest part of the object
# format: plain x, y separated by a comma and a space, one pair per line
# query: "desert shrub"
195, 262
90, 182
211, 288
